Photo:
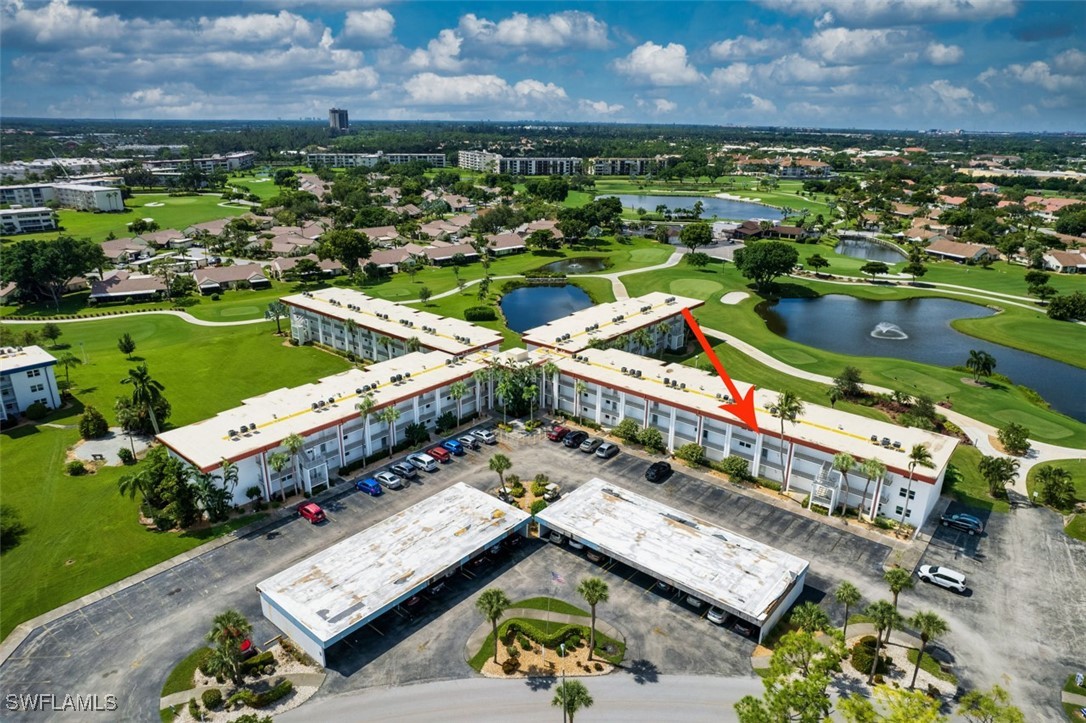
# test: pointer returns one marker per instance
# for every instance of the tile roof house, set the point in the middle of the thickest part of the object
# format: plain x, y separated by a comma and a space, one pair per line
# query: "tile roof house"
1066, 262
126, 250
213, 228
119, 285
946, 248
439, 228
504, 244
329, 267
443, 256
166, 238
544, 224
381, 235
389, 259
216, 278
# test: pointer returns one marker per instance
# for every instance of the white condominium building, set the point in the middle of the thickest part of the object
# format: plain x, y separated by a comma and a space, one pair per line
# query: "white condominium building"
527, 166
80, 196
26, 377
482, 161
621, 166
225, 162
369, 160
27, 220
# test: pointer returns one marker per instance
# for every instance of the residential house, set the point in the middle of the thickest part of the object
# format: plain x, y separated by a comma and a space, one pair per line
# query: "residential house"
505, 244
390, 259
214, 279
1066, 262
283, 265
946, 248
121, 285
121, 251
443, 255
440, 228
381, 235
166, 238
8, 293
543, 224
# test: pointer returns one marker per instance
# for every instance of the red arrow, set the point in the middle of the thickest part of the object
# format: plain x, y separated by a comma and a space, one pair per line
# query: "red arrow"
743, 407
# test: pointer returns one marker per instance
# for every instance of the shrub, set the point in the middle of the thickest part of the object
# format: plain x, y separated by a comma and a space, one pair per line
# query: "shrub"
36, 411
447, 420
212, 698
242, 697
951, 428
538, 506
863, 653
293, 651
511, 650
769, 484
510, 666
126, 456
215, 297
480, 313
597, 667
92, 424
539, 487
737, 468
692, 453
257, 662
129, 300
524, 642
1014, 438
194, 709
884, 523
76, 468
627, 429
651, 438
532, 424
263, 700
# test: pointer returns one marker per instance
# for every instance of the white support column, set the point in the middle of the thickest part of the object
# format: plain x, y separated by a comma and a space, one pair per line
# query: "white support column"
788, 466
700, 430
266, 475
756, 465
599, 402
621, 405
645, 416
671, 432
342, 447
875, 500
415, 408
728, 439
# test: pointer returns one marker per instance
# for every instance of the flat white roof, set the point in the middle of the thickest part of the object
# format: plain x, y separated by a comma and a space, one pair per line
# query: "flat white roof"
352, 582
716, 565
607, 321
286, 411
453, 336
26, 211
818, 426
12, 358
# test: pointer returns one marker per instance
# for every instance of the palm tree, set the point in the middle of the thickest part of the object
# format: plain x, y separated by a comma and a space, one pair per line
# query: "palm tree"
930, 626
365, 407
919, 455
68, 360
413, 344
229, 476
229, 626
550, 372
528, 394
789, 407
843, 462
579, 388
384, 341
981, 363
810, 618
500, 463
278, 462
146, 392
898, 578
504, 389
848, 595
133, 484
389, 415
594, 591
884, 617
643, 337
873, 469
493, 603
294, 444
457, 390
571, 696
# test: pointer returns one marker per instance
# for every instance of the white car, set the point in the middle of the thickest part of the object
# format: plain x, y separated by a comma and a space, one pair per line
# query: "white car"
470, 441
576, 545
485, 436
716, 616
557, 538
393, 482
423, 461
943, 577
694, 602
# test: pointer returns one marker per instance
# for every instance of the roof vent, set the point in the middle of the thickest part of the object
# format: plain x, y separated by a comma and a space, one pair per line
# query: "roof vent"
233, 433
313, 406
331, 400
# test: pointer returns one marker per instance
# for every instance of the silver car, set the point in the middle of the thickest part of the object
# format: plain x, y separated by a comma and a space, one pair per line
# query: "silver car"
391, 481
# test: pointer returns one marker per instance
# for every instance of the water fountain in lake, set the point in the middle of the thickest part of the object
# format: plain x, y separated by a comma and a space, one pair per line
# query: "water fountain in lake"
886, 330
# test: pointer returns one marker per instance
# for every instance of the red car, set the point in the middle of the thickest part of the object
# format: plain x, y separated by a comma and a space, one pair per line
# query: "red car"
312, 512
557, 434
440, 454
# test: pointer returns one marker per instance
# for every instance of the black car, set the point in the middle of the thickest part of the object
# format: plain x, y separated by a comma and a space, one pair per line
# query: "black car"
405, 470
658, 472
574, 439
965, 523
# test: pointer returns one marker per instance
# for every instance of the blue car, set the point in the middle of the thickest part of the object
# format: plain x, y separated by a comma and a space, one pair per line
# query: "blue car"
370, 486
453, 446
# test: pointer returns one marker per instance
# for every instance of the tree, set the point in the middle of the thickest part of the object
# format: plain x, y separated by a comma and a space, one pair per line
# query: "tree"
884, 617
766, 260
228, 630
789, 406
278, 461
1056, 486
571, 696
872, 469
212, 496
981, 363
697, 259
92, 424
43, 269
346, 246
126, 344
874, 268
294, 444
789, 697
896, 706
51, 332
660, 233
493, 603
695, 235
919, 456
898, 578
816, 262
457, 391
915, 269
277, 310
499, 463
844, 463
849, 383
998, 472
146, 391
425, 294
810, 618
594, 591
307, 269
1015, 438
848, 595
992, 706
389, 415
12, 528
139, 483
930, 626
68, 360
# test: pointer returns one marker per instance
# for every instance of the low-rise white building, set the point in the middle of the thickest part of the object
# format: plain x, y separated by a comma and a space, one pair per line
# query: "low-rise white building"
80, 196
27, 220
208, 164
26, 376
369, 160
376, 329
485, 161
622, 166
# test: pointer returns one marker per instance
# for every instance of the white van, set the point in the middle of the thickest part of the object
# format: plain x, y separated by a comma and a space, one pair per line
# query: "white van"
423, 461
943, 577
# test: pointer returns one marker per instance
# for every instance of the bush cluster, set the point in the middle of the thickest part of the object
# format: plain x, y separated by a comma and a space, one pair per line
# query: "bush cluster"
76, 468
263, 700
212, 698
538, 506
863, 654
36, 411
126, 456
737, 468
480, 313
691, 453
255, 664
92, 424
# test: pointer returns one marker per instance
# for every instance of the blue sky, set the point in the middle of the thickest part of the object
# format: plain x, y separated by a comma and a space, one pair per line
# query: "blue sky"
970, 64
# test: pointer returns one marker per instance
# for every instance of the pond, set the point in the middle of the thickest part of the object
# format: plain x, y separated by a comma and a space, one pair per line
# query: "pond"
861, 248
713, 206
532, 306
919, 330
577, 266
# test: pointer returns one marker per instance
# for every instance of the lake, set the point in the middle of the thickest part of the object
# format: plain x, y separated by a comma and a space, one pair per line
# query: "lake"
531, 306
859, 248
919, 330
713, 206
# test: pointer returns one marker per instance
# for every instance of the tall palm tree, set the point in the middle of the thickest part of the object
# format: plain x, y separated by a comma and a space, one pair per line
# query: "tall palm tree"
68, 360
365, 406
504, 389
981, 363
873, 469
810, 618
930, 626
579, 389
146, 392
571, 696
528, 394
294, 444
138, 483
413, 344
884, 617
386, 342
500, 463
789, 407
278, 462
229, 476
229, 626
848, 595
550, 374
594, 591
389, 415
898, 578
844, 462
643, 337
457, 390
920, 456
493, 603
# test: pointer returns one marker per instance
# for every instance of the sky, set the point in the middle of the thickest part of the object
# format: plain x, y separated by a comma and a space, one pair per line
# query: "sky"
977, 65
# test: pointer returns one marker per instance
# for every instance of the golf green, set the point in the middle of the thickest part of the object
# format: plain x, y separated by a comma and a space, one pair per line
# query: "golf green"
696, 288
793, 356
920, 382
249, 311
1036, 425
647, 255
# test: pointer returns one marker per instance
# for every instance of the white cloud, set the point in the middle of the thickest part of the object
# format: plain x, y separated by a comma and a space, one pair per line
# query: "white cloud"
1039, 73
887, 13
663, 105
943, 97
58, 23
795, 69
282, 29
660, 65
599, 107
433, 89
355, 78
939, 54
370, 25
843, 46
731, 76
1071, 61
571, 28
441, 53
745, 46
760, 105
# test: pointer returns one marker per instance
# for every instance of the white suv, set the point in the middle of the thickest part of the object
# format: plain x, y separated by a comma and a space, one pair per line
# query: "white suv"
943, 577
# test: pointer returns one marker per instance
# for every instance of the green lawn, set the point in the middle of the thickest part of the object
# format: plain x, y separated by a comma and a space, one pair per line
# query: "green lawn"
1077, 468
786, 195
82, 534
183, 674
964, 481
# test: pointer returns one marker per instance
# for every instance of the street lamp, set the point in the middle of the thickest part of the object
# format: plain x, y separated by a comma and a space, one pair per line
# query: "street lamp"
562, 658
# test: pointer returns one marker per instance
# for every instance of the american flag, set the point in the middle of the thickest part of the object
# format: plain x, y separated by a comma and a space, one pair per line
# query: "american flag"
556, 578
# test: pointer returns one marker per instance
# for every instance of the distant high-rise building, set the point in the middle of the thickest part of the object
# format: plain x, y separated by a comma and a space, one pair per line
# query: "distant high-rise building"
337, 119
